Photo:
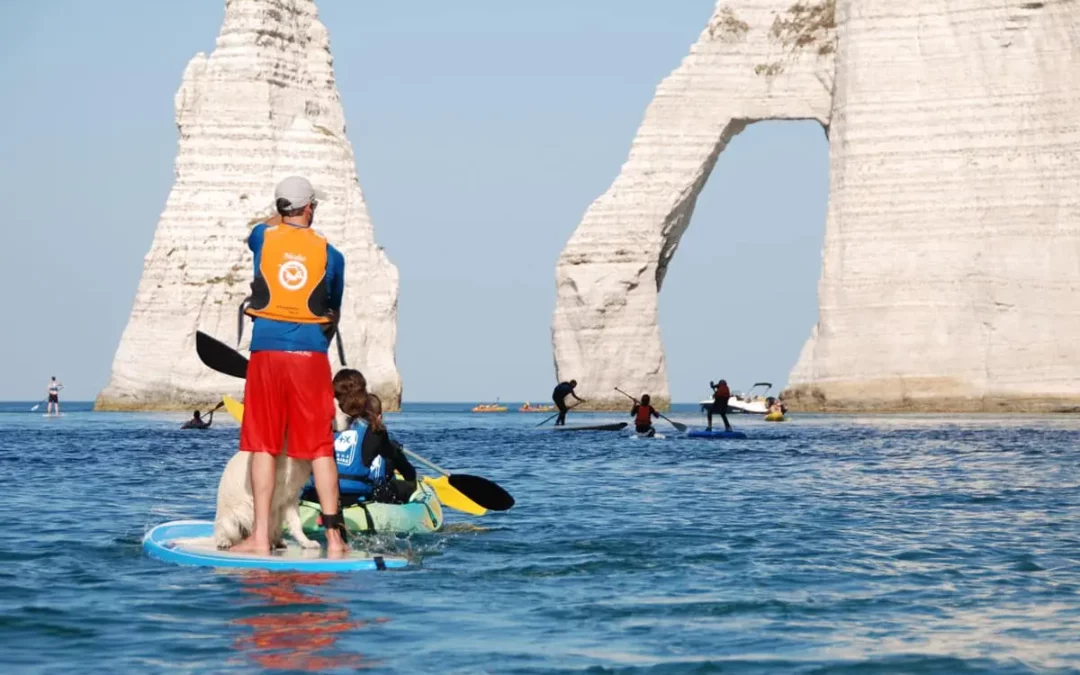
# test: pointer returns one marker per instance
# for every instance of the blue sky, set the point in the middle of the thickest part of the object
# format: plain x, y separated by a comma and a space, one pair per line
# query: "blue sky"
482, 131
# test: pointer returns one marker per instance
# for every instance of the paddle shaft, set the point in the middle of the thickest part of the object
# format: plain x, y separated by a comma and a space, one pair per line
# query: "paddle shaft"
568, 409
426, 462
678, 426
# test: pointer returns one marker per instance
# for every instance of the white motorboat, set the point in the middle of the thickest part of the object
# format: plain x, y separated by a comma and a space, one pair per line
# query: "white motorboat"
748, 403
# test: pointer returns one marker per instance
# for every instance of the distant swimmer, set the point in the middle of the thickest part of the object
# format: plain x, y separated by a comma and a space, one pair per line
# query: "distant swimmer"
54, 397
643, 414
197, 422
721, 394
559, 397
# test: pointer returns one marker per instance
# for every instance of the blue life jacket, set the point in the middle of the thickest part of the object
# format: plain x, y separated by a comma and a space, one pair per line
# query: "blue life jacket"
353, 477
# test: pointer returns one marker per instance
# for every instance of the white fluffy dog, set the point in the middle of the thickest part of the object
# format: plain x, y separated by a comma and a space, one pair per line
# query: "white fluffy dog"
236, 507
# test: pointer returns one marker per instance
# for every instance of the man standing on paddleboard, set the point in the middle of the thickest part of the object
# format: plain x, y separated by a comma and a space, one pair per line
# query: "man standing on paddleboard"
54, 397
563, 390
721, 394
289, 398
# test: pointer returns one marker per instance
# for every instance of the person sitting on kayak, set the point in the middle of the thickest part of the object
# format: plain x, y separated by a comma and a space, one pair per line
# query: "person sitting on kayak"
366, 457
643, 414
196, 421
559, 396
721, 394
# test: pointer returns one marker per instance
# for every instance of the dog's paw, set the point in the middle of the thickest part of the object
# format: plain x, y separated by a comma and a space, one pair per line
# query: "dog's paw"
309, 544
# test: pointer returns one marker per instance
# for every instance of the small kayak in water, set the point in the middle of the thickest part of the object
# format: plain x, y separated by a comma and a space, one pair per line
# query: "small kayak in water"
615, 426
775, 417
705, 433
423, 514
191, 542
636, 435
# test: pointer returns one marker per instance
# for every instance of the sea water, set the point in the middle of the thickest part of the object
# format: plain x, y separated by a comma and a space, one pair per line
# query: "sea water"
853, 544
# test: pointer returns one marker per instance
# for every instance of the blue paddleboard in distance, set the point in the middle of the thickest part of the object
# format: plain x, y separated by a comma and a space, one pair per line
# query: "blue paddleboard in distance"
191, 542
703, 433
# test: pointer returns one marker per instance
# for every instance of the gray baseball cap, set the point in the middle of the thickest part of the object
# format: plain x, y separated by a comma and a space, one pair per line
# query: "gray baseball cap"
298, 191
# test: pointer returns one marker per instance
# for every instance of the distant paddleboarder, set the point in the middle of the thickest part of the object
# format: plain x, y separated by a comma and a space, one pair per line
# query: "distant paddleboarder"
54, 397
643, 414
559, 397
721, 394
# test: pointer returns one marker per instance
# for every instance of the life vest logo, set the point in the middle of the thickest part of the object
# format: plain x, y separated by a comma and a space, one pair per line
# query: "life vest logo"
292, 275
345, 447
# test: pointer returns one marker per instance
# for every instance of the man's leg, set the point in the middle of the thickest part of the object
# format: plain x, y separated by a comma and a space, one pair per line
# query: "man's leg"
263, 475
310, 432
326, 484
709, 414
562, 413
727, 425
262, 433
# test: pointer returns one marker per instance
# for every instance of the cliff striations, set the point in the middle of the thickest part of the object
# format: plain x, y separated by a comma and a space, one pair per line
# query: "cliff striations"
262, 106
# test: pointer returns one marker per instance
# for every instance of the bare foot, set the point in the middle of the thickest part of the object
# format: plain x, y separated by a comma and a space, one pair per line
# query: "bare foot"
335, 545
251, 545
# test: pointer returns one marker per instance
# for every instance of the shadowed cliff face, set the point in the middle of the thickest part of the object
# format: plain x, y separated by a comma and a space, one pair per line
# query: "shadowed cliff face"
262, 106
951, 259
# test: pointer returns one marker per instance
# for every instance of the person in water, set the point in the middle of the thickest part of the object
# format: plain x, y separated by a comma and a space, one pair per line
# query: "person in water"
721, 394
196, 421
366, 457
289, 399
54, 397
563, 390
643, 414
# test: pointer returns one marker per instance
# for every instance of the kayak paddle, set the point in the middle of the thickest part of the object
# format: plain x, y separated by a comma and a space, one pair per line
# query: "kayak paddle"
680, 427
37, 405
219, 356
484, 492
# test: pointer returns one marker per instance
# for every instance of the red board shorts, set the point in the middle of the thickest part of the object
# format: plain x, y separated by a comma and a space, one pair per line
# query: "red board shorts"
289, 397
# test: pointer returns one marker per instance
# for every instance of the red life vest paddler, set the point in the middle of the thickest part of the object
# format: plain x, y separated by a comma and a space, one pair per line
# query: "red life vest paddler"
721, 392
644, 415
291, 282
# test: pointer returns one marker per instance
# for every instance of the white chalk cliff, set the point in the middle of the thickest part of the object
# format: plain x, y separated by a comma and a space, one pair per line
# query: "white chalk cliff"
262, 106
951, 264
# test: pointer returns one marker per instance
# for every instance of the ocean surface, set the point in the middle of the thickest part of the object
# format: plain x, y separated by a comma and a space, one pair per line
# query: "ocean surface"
826, 544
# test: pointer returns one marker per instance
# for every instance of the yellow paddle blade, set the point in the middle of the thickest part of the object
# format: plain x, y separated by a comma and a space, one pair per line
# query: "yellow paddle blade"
452, 497
235, 408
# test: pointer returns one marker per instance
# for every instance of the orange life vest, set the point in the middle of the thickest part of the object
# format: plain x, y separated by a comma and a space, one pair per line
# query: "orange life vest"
644, 413
290, 284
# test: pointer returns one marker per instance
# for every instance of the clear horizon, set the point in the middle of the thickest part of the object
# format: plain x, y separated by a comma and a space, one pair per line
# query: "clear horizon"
507, 118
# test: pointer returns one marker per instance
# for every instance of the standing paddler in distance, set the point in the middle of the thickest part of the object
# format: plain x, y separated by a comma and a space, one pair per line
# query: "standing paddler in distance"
559, 395
288, 397
643, 414
721, 395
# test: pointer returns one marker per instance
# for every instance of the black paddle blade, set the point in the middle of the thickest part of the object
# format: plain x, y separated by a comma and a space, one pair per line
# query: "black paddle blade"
220, 356
482, 491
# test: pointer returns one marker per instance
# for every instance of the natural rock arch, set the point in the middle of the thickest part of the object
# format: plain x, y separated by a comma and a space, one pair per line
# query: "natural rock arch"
951, 260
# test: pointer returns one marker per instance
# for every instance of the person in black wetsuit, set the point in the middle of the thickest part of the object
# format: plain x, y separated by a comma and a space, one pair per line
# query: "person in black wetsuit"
643, 414
378, 444
559, 397
197, 422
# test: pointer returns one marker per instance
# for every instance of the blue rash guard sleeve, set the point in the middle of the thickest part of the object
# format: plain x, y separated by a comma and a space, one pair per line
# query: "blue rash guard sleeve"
281, 336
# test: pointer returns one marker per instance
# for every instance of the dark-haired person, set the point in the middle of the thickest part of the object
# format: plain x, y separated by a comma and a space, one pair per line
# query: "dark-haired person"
197, 422
366, 457
643, 414
562, 390
288, 398
721, 395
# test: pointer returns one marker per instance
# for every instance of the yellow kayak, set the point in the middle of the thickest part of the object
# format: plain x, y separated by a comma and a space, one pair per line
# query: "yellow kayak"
775, 417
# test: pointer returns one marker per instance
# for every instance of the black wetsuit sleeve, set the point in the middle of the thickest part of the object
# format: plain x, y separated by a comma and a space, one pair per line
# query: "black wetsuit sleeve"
209, 420
378, 443
633, 411
401, 462
654, 413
